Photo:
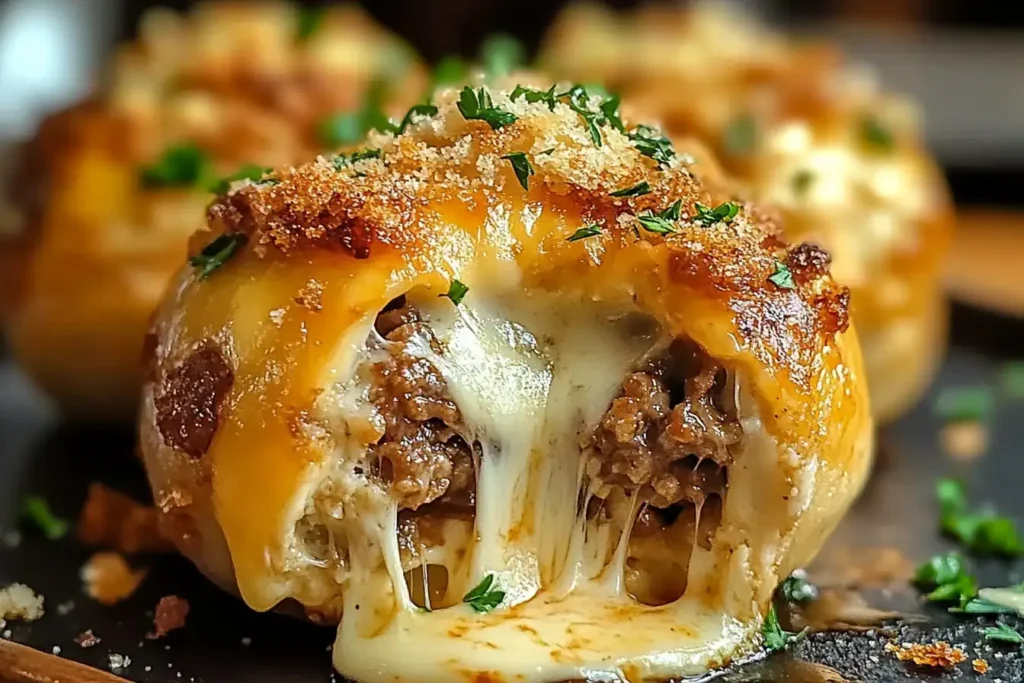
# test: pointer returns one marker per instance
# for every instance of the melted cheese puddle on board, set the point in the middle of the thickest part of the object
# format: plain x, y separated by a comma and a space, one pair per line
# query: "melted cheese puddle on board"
529, 391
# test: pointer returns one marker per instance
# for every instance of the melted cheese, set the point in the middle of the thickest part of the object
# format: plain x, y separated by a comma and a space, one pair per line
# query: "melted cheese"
531, 379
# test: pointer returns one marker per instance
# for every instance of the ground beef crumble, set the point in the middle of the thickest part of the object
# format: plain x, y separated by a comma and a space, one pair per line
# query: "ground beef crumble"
420, 455
670, 434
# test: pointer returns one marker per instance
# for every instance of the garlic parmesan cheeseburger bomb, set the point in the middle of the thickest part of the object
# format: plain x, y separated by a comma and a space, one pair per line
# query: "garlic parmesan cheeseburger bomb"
488, 389
111, 189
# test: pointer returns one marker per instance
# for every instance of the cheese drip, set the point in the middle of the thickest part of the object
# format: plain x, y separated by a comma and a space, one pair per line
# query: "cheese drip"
531, 380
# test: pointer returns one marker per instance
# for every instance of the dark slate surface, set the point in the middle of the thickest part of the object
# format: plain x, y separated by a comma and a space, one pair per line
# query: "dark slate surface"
39, 454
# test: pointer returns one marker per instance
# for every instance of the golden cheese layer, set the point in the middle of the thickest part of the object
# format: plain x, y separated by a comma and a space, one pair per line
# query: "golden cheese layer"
259, 418
88, 246
806, 133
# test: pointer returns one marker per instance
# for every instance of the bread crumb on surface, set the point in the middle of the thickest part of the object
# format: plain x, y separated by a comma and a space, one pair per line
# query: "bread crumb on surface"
964, 440
119, 662
170, 615
939, 654
86, 639
18, 601
56, 649
108, 578
114, 520
980, 666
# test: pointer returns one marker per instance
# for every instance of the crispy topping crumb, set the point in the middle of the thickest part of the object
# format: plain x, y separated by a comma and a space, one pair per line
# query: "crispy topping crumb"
939, 654
980, 666
170, 615
86, 639
18, 601
108, 579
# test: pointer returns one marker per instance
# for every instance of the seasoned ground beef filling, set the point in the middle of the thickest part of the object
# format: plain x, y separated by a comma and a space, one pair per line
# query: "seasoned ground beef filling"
420, 456
670, 434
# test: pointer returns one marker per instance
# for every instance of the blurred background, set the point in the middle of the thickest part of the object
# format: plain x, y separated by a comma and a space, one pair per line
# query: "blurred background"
962, 60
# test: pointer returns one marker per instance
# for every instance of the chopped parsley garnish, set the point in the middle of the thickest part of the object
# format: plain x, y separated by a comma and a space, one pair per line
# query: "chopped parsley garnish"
875, 134
36, 510
980, 606
343, 160
477, 106
723, 213
775, 637
456, 292
946, 579
547, 151
640, 189
740, 136
423, 110
1012, 376
310, 20
501, 54
1003, 633
450, 70
610, 109
651, 143
178, 166
533, 95
248, 172
802, 180
661, 223
782, 277
591, 230
485, 596
579, 101
964, 404
217, 253
351, 127
981, 532
674, 211
797, 588
522, 166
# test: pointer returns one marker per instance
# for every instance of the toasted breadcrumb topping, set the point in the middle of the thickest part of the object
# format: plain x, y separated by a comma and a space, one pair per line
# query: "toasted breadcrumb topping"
939, 654
170, 614
18, 601
109, 579
980, 666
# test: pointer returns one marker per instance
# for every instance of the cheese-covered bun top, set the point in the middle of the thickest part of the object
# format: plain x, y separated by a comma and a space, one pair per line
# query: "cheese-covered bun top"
513, 394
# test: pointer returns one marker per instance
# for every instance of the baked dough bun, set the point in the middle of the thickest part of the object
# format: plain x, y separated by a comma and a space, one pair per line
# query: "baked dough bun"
509, 403
92, 243
808, 134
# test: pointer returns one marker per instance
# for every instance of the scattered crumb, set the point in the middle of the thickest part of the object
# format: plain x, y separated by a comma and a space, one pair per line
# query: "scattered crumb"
148, 668
311, 296
119, 662
86, 639
277, 316
7, 634
56, 649
18, 601
113, 520
246, 641
939, 654
108, 578
170, 614
65, 607
964, 440
980, 666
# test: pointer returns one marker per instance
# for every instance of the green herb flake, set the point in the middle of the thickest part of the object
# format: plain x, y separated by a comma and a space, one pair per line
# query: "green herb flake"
522, 167
309, 21
1003, 633
802, 181
651, 143
36, 510
178, 166
656, 224
456, 292
533, 95
343, 160
248, 172
592, 230
610, 109
740, 136
546, 152
579, 101
485, 596
450, 70
964, 404
638, 190
501, 54
723, 213
478, 106
981, 532
674, 212
775, 637
980, 606
782, 277
1012, 379
217, 253
946, 579
796, 588
875, 134
421, 110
